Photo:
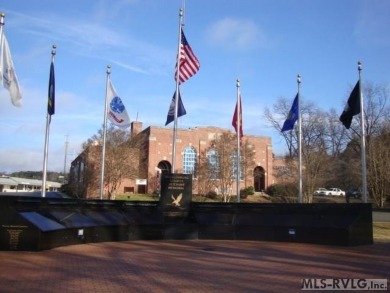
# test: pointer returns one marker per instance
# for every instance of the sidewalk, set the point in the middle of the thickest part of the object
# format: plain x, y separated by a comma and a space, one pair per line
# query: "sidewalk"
187, 266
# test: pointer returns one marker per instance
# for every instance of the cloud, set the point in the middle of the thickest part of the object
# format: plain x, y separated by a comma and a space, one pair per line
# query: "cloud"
236, 34
92, 38
84, 35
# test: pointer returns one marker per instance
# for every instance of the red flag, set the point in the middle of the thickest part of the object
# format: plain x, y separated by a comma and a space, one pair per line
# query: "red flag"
238, 116
188, 63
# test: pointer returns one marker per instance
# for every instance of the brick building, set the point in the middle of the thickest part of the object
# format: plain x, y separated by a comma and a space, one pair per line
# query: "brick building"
155, 157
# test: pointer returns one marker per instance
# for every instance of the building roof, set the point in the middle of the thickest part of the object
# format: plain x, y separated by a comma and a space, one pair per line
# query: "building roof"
13, 181
5, 180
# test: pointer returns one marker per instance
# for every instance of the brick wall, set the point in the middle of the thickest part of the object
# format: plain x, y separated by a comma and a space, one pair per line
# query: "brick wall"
155, 144
160, 141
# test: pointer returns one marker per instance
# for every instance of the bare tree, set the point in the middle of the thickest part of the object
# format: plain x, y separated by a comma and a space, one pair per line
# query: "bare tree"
217, 165
205, 182
376, 110
276, 116
120, 162
225, 146
121, 159
331, 154
379, 168
335, 134
315, 158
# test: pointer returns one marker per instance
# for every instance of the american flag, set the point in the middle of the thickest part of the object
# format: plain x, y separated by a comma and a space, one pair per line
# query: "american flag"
188, 63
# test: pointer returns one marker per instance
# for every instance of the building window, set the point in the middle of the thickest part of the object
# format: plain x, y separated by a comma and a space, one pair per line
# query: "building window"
234, 166
213, 162
189, 160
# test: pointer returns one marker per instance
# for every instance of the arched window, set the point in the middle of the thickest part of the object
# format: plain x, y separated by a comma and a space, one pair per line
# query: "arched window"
234, 166
213, 162
189, 160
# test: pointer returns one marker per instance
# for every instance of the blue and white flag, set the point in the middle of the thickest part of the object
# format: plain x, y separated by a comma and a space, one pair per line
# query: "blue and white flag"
7, 73
292, 116
181, 111
116, 112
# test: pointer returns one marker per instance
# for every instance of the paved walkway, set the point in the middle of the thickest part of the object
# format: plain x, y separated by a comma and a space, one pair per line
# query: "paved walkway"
187, 266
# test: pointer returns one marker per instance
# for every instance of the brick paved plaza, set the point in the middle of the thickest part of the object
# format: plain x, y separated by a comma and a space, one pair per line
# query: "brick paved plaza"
187, 266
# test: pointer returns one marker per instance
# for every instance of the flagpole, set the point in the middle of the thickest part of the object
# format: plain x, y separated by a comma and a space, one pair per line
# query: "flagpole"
46, 150
238, 139
177, 93
299, 139
108, 71
2, 15
363, 138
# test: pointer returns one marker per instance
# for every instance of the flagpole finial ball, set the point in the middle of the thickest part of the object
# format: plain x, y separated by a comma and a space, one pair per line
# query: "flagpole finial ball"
299, 78
359, 65
238, 82
108, 69
53, 50
2, 14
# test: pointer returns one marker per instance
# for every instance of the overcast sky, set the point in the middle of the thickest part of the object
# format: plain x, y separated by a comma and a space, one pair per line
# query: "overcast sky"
263, 43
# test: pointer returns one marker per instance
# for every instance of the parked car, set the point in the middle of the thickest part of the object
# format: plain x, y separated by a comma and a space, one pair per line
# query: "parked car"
354, 193
335, 192
320, 191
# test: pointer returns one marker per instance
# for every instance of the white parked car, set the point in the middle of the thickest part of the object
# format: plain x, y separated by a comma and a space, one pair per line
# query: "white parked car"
320, 191
335, 192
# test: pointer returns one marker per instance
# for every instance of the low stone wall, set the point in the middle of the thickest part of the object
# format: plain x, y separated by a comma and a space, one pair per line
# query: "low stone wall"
33, 224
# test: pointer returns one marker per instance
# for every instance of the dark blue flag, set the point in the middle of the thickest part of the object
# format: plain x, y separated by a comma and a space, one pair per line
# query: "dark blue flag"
181, 111
292, 116
352, 108
51, 93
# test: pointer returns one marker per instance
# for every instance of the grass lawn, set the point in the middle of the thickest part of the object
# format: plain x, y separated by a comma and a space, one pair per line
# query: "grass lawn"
137, 197
381, 231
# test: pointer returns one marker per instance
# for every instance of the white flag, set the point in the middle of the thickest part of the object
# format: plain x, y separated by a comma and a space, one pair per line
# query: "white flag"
8, 75
116, 109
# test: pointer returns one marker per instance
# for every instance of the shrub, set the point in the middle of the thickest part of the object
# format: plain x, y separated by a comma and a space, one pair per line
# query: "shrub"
282, 190
243, 193
250, 190
247, 191
212, 194
274, 189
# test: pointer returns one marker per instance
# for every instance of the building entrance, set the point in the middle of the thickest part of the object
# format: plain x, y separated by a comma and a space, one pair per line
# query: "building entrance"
259, 179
